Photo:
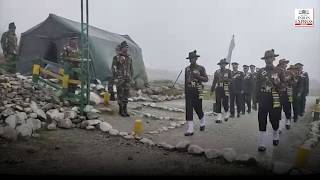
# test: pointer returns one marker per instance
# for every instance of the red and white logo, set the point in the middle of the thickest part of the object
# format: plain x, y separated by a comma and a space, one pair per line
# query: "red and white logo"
304, 18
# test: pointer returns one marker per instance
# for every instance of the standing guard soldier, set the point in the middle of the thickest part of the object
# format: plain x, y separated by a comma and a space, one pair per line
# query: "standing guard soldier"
305, 84
286, 92
236, 89
247, 89
195, 75
111, 81
221, 87
122, 71
269, 81
296, 92
254, 82
9, 44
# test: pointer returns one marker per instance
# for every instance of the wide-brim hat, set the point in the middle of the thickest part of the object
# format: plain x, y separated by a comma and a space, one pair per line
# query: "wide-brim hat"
283, 61
298, 64
223, 61
123, 45
269, 54
193, 54
235, 63
245, 66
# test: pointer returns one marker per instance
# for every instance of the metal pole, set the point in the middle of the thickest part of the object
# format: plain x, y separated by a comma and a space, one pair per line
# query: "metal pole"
82, 61
176, 79
88, 53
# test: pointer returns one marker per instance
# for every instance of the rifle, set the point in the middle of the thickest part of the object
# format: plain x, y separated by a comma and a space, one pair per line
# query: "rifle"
176, 79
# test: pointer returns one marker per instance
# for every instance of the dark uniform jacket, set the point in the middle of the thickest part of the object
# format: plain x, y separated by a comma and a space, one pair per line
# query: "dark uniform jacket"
247, 83
269, 79
220, 78
193, 83
236, 85
305, 78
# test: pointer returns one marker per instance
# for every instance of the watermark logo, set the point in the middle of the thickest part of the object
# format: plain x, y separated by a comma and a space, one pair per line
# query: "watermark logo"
303, 18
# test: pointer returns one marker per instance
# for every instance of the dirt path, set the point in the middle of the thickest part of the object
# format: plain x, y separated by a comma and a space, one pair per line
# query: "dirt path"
81, 152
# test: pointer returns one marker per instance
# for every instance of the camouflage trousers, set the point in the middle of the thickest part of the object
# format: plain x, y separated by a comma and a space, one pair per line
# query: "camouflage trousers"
123, 93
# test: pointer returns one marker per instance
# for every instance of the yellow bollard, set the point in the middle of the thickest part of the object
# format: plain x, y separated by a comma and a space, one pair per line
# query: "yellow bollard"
138, 128
36, 69
106, 98
302, 157
65, 81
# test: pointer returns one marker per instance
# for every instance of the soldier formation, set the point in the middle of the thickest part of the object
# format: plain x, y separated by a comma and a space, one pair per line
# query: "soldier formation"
270, 90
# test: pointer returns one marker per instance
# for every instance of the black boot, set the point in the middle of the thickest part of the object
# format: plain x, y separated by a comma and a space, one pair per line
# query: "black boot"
112, 97
121, 111
125, 110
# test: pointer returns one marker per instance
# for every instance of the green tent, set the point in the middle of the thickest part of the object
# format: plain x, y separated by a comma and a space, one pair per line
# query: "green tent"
47, 39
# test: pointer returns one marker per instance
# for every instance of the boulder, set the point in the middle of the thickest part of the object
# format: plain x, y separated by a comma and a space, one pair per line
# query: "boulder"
113, 132
123, 133
147, 141
92, 115
35, 123
21, 118
229, 154
195, 150
65, 123
38, 111
166, 146
9, 133
52, 126
212, 153
7, 112
11, 121
33, 115
182, 145
70, 114
90, 128
105, 127
86, 123
96, 99
24, 130
246, 159
55, 115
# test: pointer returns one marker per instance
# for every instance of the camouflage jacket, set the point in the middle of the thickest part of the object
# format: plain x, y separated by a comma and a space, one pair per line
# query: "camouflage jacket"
221, 78
9, 43
71, 52
236, 85
122, 68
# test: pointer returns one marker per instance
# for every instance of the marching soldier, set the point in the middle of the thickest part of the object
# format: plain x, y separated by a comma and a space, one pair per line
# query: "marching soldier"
221, 87
305, 92
254, 82
9, 46
286, 91
195, 75
247, 89
236, 89
122, 71
269, 80
296, 92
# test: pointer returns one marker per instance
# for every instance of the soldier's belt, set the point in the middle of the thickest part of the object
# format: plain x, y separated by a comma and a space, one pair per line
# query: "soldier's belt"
266, 91
276, 99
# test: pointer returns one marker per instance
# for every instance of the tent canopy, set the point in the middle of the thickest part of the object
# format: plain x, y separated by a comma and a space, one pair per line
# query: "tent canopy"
47, 39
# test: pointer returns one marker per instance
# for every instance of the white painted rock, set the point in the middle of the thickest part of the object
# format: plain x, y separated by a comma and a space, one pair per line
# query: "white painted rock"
55, 115
147, 141
212, 153
38, 111
281, 167
65, 123
27, 110
11, 121
113, 132
128, 137
34, 123
229, 154
182, 145
105, 127
21, 118
123, 133
88, 108
94, 98
92, 115
90, 128
9, 133
195, 149
167, 147
24, 130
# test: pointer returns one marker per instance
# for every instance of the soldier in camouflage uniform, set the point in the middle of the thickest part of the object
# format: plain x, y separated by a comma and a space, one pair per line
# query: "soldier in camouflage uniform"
71, 53
247, 89
286, 92
221, 86
305, 85
122, 71
9, 43
111, 81
254, 82
236, 90
269, 80
195, 75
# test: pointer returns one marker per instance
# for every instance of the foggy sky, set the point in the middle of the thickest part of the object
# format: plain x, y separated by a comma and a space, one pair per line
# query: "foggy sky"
167, 30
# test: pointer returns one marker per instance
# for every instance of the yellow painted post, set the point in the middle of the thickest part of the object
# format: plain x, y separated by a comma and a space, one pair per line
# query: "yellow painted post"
106, 98
302, 157
35, 72
138, 128
65, 81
